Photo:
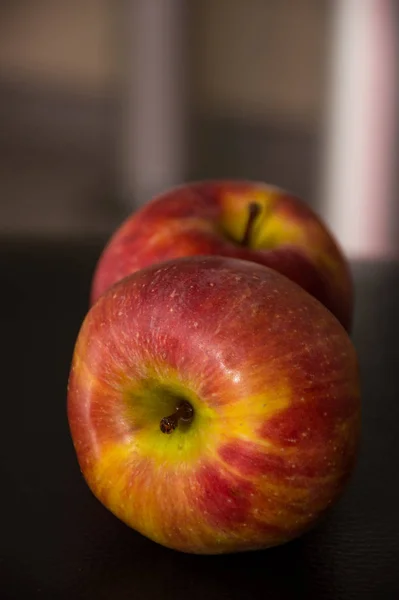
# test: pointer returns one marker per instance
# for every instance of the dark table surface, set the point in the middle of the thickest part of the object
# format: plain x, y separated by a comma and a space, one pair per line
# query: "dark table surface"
58, 542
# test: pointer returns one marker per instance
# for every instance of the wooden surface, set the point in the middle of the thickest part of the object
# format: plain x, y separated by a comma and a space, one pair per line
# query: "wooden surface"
58, 542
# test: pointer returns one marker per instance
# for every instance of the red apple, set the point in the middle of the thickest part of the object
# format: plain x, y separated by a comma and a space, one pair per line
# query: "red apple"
214, 405
252, 221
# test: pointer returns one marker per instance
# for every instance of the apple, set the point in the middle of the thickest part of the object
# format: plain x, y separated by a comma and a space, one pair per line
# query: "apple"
247, 220
214, 405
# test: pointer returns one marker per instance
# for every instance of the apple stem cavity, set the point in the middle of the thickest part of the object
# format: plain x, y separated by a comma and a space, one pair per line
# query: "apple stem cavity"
254, 210
184, 412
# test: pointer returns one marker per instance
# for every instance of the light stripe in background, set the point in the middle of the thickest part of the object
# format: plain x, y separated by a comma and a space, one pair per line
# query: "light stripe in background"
154, 135
360, 203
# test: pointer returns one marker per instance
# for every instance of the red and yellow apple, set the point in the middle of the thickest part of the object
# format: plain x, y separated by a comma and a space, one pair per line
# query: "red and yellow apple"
246, 220
214, 405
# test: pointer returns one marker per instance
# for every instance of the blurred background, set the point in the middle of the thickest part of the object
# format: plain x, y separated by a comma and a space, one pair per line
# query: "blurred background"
104, 103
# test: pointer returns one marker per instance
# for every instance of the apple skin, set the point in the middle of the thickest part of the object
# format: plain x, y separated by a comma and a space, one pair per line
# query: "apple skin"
272, 377
210, 217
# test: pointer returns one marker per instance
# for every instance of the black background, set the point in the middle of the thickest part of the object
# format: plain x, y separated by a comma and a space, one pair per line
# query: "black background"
58, 542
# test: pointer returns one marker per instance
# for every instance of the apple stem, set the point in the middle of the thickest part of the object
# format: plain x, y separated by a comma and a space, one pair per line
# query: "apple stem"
254, 210
184, 412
